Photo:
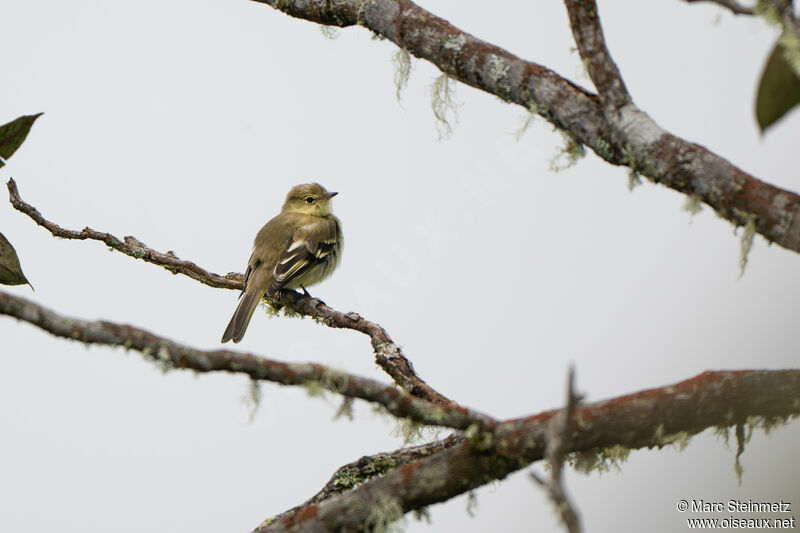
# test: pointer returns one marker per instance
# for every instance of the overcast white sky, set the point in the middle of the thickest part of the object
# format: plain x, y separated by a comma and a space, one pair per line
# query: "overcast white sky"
184, 123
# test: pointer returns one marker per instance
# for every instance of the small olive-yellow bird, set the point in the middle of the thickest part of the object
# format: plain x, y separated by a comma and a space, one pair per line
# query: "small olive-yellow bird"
298, 248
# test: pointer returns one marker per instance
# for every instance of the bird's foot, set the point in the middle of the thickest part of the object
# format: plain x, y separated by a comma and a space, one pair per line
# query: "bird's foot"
317, 301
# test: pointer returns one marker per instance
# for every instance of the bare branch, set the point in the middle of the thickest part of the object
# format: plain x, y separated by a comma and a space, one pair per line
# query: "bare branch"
129, 246
588, 34
631, 139
387, 354
175, 355
735, 7
645, 419
558, 437
358, 472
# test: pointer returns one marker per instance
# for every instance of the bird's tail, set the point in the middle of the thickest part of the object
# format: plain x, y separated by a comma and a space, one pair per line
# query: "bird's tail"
241, 317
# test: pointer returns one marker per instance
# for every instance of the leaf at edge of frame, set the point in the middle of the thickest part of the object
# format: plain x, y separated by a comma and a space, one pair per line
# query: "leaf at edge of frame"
13, 134
10, 270
778, 90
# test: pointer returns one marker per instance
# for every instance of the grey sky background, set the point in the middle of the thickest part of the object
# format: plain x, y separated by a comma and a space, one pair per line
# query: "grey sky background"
185, 124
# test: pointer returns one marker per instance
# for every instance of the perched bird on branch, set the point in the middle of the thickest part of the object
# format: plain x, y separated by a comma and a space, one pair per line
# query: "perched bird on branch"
298, 248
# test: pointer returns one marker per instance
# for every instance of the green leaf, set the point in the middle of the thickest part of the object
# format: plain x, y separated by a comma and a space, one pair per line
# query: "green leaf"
10, 271
779, 90
13, 133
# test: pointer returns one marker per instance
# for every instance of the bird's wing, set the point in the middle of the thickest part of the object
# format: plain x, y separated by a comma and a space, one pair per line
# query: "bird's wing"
308, 246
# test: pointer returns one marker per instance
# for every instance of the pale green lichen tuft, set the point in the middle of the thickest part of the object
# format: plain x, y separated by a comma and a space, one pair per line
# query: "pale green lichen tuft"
679, 439
444, 105
723, 432
163, 354
345, 410
692, 205
329, 32
252, 399
568, 155
603, 149
472, 504
423, 515
454, 42
163, 359
267, 522
498, 68
583, 72
481, 440
402, 71
351, 477
271, 308
314, 389
638, 167
335, 380
741, 440
601, 460
410, 431
347, 479
384, 516
533, 110
634, 180
628, 157
767, 423
744, 432
746, 243
738, 470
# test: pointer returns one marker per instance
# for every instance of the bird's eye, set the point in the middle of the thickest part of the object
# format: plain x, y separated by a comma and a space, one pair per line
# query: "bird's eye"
310, 199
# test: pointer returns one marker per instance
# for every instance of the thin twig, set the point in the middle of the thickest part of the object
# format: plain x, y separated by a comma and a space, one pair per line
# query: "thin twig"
588, 32
387, 354
558, 441
735, 7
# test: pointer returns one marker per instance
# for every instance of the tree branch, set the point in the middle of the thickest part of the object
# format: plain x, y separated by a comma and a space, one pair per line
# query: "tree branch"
631, 139
735, 7
387, 354
354, 474
174, 355
588, 34
558, 434
654, 417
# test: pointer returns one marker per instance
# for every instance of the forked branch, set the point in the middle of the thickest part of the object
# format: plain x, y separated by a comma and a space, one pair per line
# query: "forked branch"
629, 138
387, 354
650, 418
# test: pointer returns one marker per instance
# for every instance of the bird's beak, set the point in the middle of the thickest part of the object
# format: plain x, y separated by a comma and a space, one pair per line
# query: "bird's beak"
327, 196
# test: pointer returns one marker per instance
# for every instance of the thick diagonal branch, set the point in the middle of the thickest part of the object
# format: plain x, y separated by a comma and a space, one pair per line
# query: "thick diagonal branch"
631, 139
650, 418
387, 354
175, 355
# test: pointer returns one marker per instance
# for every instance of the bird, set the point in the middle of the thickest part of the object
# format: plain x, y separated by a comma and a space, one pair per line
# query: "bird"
299, 247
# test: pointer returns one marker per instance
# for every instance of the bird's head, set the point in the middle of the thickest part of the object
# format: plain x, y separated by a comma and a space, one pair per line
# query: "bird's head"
309, 199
